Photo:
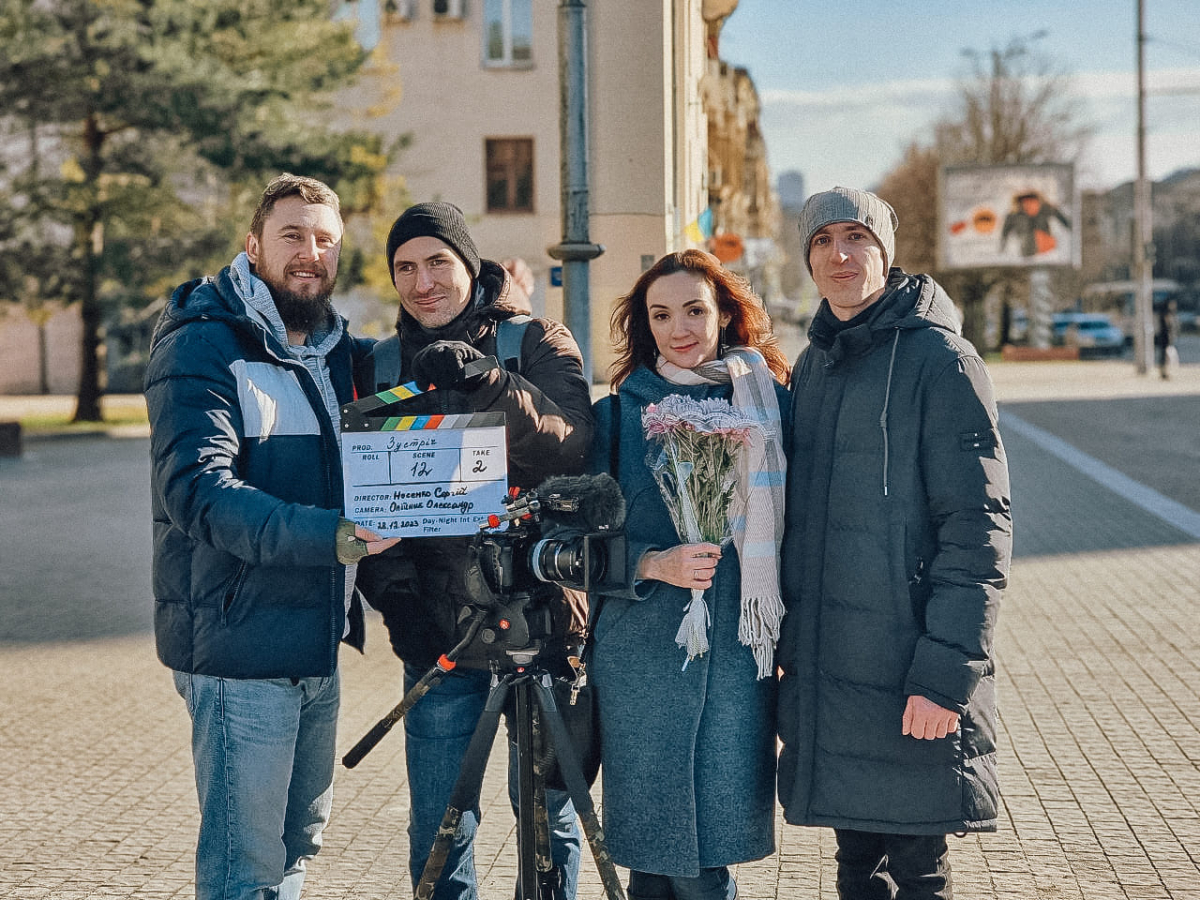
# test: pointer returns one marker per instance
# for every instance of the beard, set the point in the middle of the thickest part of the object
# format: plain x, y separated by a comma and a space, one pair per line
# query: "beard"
302, 312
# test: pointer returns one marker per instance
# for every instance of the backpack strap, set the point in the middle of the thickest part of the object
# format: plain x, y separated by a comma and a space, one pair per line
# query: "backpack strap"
385, 356
510, 334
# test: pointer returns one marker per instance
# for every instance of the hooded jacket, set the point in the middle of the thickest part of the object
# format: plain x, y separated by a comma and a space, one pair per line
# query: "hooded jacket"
419, 584
246, 491
895, 553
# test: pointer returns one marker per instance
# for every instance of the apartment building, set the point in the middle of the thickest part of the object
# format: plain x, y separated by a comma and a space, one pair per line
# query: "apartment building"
474, 85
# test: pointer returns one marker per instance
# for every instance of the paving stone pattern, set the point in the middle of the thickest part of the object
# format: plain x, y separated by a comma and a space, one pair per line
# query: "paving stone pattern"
1098, 645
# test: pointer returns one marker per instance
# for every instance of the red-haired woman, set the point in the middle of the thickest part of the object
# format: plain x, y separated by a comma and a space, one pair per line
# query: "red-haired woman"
689, 751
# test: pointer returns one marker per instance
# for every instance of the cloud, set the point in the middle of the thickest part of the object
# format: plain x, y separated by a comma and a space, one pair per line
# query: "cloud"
855, 134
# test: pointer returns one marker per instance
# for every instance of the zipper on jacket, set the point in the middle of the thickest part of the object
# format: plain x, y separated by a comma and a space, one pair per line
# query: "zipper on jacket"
919, 575
883, 415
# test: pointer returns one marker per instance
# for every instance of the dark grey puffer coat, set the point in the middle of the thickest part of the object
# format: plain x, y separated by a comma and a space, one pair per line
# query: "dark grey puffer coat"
895, 553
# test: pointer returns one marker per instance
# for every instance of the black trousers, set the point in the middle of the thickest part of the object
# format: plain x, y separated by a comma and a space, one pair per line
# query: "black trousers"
892, 866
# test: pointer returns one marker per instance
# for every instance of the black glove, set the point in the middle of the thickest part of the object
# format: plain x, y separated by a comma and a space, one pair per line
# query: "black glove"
442, 362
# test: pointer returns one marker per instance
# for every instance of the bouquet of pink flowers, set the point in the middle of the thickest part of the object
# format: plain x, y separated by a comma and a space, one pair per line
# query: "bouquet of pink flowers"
694, 460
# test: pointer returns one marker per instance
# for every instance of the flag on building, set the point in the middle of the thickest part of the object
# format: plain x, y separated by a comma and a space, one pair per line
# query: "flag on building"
701, 228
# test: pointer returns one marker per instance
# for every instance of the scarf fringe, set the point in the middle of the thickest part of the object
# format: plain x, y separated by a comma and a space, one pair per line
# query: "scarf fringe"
758, 629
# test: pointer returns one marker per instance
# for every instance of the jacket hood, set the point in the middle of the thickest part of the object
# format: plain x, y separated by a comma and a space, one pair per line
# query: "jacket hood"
500, 293
242, 301
908, 302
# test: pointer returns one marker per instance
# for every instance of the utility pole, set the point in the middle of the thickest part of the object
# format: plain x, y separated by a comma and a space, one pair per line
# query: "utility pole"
576, 249
1143, 234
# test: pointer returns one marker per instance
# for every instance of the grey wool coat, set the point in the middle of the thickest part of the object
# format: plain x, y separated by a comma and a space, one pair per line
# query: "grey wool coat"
688, 756
895, 553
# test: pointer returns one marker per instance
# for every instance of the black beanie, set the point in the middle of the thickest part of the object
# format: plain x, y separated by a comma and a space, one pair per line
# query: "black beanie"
443, 221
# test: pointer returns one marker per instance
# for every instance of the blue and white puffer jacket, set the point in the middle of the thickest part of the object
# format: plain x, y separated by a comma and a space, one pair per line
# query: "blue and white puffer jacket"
247, 491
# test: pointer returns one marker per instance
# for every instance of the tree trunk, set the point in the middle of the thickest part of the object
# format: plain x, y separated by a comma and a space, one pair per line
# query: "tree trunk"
43, 358
89, 244
973, 299
87, 401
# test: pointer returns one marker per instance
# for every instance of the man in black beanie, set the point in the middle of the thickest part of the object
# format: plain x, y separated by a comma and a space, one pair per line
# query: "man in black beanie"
895, 553
451, 306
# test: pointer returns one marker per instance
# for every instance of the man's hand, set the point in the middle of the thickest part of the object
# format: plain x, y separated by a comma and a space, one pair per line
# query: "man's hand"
375, 543
441, 364
354, 542
925, 720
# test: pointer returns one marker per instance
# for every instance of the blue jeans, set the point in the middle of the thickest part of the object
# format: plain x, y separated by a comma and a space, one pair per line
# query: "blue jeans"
437, 731
264, 752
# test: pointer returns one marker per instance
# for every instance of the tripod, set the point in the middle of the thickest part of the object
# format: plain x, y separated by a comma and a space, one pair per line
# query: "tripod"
535, 706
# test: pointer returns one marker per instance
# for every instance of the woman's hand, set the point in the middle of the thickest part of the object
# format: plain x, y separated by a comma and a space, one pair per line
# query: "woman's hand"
686, 566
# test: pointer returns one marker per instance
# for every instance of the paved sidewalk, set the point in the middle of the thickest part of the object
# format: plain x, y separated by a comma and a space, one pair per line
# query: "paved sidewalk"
1099, 649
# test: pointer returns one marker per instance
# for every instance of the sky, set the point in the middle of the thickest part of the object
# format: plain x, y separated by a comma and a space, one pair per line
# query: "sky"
845, 88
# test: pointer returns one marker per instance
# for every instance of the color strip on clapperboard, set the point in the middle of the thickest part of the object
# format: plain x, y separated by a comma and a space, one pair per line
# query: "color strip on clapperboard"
421, 423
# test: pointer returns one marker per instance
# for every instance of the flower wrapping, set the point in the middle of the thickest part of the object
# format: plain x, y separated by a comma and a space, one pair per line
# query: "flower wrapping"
694, 453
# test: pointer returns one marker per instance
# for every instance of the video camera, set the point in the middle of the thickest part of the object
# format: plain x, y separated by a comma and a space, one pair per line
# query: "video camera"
565, 533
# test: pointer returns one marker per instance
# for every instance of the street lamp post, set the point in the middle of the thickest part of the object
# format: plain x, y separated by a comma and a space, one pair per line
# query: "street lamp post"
1143, 246
576, 249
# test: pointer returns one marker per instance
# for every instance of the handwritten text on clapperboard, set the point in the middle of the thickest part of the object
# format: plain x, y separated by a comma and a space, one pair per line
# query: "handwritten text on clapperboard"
425, 482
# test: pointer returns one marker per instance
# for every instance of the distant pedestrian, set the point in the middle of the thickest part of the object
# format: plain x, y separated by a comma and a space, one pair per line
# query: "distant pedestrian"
895, 552
1166, 337
246, 377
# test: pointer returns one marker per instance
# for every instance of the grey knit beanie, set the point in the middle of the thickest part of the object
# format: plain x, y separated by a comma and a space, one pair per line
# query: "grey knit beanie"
443, 221
848, 205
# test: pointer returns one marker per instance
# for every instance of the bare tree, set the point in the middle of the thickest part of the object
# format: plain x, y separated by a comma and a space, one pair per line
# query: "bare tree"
1014, 106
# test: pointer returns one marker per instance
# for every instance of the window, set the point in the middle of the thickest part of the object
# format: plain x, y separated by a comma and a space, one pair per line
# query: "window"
447, 9
508, 32
509, 174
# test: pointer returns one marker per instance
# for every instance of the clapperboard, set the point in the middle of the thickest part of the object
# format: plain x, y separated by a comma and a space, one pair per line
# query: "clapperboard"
421, 475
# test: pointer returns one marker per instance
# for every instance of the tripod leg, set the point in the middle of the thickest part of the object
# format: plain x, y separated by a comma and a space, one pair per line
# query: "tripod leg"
533, 828
577, 787
429, 680
366, 744
541, 811
466, 788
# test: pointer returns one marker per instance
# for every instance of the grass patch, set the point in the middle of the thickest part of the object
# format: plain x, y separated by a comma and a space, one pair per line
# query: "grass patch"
118, 412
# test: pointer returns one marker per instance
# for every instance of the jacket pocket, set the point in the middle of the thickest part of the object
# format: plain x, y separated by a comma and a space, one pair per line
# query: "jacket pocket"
233, 591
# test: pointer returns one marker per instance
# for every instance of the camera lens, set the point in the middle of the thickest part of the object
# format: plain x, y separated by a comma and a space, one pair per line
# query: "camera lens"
559, 562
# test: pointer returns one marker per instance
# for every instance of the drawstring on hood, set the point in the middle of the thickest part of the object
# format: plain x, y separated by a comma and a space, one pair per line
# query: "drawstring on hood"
883, 415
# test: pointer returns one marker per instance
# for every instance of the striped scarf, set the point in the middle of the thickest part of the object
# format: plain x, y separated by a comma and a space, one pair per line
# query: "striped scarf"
756, 518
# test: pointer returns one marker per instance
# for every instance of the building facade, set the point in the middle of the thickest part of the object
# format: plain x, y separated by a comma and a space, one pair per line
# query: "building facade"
474, 87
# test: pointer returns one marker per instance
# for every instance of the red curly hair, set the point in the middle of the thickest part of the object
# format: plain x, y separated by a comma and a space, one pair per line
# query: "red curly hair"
749, 325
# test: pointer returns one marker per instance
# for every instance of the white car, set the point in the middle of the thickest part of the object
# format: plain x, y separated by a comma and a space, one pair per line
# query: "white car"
1093, 332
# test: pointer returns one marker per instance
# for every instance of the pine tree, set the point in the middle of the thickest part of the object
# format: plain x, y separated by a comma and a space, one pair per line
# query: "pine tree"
157, 122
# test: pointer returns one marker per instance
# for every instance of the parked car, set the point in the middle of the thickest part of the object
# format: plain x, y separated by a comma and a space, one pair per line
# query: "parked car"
1093, 333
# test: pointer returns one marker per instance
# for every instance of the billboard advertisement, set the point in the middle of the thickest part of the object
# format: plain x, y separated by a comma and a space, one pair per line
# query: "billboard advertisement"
1022, 216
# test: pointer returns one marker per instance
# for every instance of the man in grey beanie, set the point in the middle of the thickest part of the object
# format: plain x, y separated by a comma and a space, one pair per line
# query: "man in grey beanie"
895, 553
453, 305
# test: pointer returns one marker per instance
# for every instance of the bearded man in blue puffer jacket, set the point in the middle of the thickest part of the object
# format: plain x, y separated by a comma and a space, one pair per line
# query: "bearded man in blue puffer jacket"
246, 378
